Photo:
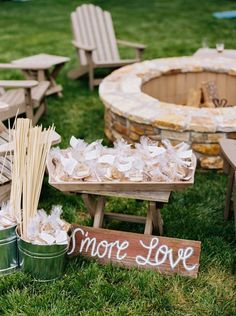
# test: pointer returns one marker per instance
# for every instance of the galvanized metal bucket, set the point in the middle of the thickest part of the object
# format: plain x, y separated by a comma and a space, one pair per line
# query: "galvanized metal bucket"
43, 262
8, 251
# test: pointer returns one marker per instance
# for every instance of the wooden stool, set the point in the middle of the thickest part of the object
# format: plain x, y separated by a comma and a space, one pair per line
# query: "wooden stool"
228, 150
153, 221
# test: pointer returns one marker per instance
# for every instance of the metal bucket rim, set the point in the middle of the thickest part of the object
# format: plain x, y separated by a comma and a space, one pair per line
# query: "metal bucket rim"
10, 227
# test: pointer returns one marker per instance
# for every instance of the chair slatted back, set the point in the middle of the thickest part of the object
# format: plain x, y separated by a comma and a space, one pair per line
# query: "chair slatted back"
93, 27
5, 162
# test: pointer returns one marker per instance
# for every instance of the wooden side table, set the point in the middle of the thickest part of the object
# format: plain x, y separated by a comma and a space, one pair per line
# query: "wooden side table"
43, 67
95, 204
228, 151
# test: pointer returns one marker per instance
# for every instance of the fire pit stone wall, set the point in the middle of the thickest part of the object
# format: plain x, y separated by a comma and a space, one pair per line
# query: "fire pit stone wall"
145, 99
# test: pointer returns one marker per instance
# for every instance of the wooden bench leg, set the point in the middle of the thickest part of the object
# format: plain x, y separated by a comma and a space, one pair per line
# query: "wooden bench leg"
229, 193
99, 212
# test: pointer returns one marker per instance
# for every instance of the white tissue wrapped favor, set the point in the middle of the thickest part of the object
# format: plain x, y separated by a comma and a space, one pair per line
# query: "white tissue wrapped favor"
6, 218
145, 162
47, 229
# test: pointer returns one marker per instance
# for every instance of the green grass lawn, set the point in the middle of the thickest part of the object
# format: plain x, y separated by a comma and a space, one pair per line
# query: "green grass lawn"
169, 28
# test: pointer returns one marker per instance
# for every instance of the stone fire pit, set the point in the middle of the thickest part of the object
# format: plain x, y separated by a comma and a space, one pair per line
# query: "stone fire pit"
147, 99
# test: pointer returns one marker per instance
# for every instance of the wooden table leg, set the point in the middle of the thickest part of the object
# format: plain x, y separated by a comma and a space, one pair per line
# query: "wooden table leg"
99, 212
229, 192
90, 203
41, 75
149, 218
154, 220
159, 217
52, 77
56, 70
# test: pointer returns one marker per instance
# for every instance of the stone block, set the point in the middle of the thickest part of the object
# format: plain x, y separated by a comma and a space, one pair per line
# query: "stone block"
215, 137
170, 121
206, 149
198, 137
202, 124
211, 162
134, 136
180, 136
120, 128
155, 137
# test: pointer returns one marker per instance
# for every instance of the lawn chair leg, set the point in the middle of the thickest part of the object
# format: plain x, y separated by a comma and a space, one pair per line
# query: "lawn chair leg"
229, 192
29, 105
90, 70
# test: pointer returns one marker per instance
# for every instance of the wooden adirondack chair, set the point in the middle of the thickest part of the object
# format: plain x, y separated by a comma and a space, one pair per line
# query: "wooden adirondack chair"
96, 44
22, 96
5, 161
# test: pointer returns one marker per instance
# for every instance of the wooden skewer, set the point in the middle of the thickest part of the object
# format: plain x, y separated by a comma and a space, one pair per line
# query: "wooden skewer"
31, 146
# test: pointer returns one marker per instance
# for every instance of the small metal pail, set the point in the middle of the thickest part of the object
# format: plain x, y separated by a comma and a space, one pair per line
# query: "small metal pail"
8, 251
43, 262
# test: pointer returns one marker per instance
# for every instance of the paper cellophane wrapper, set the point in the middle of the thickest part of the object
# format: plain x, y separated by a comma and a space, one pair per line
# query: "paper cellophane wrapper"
47, 229
147, 161
7, 217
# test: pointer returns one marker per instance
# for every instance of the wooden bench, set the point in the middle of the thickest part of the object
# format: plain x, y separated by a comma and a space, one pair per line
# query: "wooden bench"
228, 151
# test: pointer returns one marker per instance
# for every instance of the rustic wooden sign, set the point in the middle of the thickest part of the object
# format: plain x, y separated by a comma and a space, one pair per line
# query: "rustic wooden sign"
166, 255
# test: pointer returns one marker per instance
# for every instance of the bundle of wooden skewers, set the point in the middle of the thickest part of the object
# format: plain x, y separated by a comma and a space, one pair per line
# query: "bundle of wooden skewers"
30, 146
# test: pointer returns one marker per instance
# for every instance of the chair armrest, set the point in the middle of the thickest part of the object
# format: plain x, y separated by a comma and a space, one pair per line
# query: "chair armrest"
131, 44
18, 83
84, 47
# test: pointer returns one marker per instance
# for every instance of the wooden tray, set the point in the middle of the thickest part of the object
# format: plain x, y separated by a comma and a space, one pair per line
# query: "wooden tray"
79, 186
